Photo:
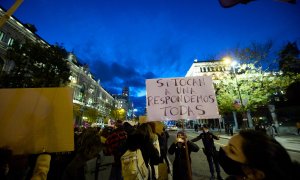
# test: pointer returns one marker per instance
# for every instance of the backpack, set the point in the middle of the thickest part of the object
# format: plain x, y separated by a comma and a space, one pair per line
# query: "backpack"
133, 166
98, 168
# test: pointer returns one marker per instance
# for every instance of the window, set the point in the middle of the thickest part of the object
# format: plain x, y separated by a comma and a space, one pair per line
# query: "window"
2, 36
10, 42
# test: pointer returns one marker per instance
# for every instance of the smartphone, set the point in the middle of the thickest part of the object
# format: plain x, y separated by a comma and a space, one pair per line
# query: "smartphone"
180, 140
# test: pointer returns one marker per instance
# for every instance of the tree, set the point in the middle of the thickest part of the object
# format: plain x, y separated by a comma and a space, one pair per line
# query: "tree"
252, 81
289, 58
256, 53
247, 80
91, 114
118, 114
292, 93
36, 65
256, 89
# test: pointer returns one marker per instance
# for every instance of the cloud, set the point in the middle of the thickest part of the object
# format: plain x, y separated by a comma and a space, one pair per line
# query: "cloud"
149, 75
139, 103
129, 62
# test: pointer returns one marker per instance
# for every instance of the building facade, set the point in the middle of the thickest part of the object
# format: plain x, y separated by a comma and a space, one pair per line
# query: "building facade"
218, 69
123, 103
11, 31
91, 101
215, 68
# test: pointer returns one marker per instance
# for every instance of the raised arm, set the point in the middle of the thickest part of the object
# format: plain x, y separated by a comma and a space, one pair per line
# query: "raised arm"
196, 138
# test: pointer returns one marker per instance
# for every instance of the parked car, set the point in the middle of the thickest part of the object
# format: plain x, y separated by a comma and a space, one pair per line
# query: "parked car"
172, 128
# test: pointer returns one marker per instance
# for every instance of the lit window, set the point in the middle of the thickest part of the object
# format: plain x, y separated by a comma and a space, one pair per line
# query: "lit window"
2, 36
73, 79
10, 42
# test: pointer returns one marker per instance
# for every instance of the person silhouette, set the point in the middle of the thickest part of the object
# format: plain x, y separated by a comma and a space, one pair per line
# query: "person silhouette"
210, 151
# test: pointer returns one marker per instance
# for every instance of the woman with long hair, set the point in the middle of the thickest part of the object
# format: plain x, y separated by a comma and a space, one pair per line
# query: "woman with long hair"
254, 155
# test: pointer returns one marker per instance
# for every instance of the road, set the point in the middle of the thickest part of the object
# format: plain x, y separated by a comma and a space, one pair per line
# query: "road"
200, 169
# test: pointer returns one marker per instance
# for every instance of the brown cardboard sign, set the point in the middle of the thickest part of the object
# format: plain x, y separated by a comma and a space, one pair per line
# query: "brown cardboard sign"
36, 119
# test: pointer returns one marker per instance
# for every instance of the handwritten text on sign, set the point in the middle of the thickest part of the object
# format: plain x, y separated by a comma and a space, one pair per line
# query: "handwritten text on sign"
181, 98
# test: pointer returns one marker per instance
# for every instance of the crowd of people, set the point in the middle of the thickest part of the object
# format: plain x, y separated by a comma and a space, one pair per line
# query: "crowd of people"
98, 154
151, 138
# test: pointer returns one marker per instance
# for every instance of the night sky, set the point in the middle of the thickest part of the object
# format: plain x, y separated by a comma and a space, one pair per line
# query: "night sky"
125, 42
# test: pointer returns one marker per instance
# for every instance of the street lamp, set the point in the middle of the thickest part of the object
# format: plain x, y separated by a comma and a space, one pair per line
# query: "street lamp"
233, 64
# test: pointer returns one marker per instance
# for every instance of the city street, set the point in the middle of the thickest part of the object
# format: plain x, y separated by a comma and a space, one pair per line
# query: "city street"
71, 71
200, 169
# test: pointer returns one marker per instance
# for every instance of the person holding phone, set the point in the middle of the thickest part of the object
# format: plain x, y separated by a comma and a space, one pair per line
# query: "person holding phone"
180, 163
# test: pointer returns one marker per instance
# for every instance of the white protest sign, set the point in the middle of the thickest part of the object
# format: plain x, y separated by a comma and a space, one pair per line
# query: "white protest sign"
181, 98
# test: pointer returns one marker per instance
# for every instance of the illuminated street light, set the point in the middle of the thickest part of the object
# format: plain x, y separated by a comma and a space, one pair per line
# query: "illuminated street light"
228, 60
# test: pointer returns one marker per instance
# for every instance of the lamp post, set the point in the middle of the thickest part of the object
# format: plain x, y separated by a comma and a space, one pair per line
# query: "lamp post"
233, 64
245, 124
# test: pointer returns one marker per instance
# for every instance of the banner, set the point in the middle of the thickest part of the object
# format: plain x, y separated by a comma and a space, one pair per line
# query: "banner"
181, 98
36, 119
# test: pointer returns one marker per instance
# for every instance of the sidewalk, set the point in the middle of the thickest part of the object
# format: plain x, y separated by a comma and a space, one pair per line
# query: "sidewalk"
290, 142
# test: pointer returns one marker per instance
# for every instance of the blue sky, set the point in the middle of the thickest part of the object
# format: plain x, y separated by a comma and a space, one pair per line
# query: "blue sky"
126, 42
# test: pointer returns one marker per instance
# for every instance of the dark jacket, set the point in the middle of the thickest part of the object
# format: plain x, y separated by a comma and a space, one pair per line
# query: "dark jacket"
75, 170
150, 153
180, 163
208, 141
138, 141
163, 143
